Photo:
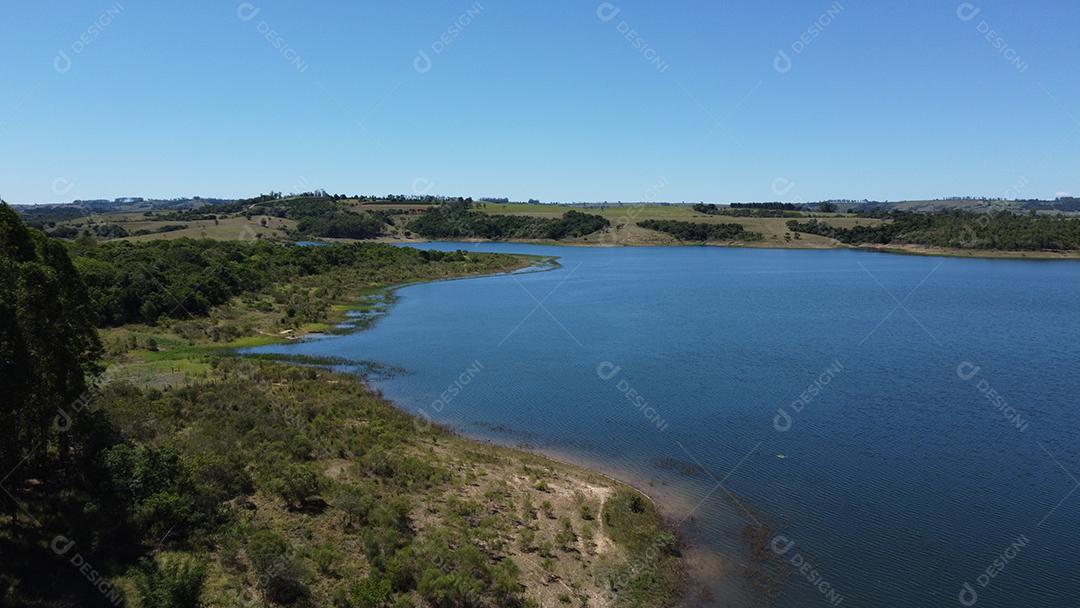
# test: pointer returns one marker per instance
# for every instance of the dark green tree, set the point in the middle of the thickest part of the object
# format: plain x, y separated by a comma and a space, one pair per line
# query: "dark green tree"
48, 350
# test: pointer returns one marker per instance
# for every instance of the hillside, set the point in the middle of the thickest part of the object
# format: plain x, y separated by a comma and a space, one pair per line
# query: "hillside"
181, 475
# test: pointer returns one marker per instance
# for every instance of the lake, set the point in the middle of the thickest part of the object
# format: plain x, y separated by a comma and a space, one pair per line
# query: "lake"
904, 428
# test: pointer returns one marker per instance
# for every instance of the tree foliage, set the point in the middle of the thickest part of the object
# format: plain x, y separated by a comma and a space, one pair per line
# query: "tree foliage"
146, 281
989, 231
746, 210
48, 350
696, 231
170, 582
455, 220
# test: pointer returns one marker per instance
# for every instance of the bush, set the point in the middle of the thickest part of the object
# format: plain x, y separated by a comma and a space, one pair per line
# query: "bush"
355, 504
565, 537
325, 558
170, 582
295, 483
370, 592
275, 568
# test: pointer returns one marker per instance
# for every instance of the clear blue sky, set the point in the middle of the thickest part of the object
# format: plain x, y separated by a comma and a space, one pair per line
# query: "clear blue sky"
889, 100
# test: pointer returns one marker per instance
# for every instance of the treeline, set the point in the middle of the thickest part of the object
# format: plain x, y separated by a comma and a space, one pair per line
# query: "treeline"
317, 215
994, 231
143, 282
106, 230
777, 206
695, 231
743, 211
457, 220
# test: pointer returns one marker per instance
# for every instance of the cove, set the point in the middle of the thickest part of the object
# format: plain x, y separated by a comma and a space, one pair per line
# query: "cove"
903, 428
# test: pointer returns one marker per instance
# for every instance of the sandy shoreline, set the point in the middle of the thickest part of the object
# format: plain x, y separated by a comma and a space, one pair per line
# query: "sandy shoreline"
711, 575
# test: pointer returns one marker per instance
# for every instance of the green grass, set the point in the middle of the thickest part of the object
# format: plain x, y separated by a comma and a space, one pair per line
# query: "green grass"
625, 231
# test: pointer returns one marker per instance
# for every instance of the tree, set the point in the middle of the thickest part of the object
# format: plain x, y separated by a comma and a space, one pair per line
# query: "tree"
355, 503
295, 483
48, 349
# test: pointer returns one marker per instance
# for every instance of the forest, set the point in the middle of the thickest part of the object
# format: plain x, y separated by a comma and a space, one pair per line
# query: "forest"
142, 282
456, 220
697, 231
748, 210
987, 231
325, 217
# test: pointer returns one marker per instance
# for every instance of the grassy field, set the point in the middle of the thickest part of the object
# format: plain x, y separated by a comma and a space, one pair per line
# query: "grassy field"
624, 229
230, 228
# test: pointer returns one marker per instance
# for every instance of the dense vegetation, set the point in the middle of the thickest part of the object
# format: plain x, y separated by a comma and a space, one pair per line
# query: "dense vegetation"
256, 483
456, 220
143, 282
744, 210
343, 225
694, 231
324, 217
995, 231
777, 206
48, 444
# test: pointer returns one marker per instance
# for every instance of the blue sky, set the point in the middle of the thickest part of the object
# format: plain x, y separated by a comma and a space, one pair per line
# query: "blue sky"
558, 100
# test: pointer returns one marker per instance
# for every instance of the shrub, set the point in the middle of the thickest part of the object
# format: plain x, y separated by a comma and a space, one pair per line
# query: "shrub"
370, 592
325, 558
355, 504
275, 568
295, 483
170, 582
565, 537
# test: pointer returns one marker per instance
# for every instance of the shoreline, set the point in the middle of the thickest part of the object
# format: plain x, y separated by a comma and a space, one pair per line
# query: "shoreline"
682, 599
919, 250
707, 571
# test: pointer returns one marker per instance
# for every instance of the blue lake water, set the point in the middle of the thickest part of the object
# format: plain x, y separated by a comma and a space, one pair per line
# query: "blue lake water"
901, 422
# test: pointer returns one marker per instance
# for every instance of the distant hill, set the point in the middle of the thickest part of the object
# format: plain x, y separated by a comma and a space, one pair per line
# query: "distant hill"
1065, 204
